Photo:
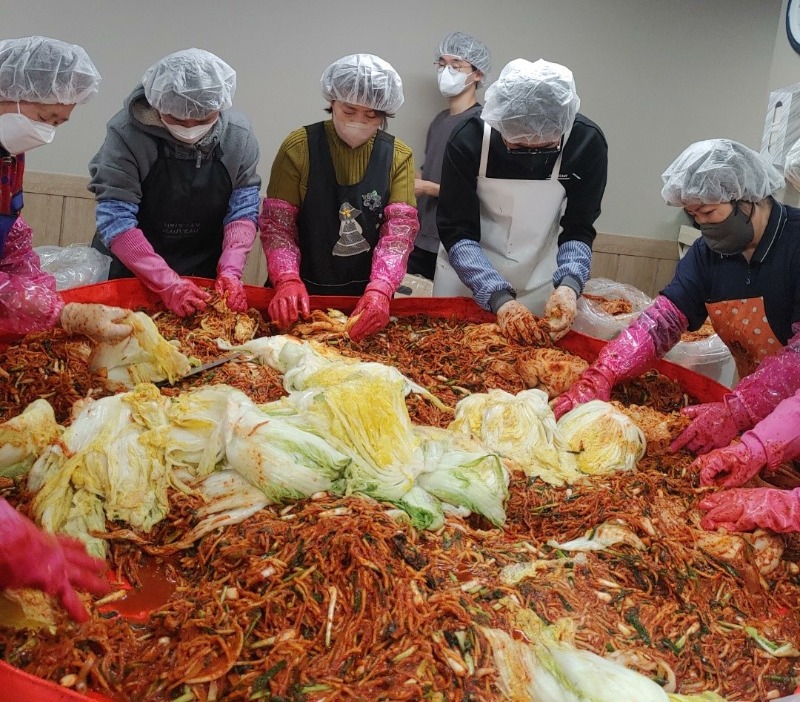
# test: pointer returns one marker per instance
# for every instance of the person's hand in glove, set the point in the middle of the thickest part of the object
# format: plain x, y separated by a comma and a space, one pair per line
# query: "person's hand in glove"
179, 295
732, 465
560, 311
745, 509
183, 297
290, 302
33, 558
714, 425
518, 323
100, 323
370, 315
232, 290
595, 383
237, 240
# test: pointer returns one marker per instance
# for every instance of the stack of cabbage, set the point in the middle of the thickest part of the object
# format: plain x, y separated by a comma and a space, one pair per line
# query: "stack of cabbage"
347, 431
592, 439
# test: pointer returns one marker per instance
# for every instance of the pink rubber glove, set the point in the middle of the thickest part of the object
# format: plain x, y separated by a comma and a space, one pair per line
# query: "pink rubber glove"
744, 509
180, 296
372, 313
732, 465
560, 311
29, 301
714, 425
237, 241
30, 557
772, 441
100, 323
654, 333
754, 398
390, 258
290, 302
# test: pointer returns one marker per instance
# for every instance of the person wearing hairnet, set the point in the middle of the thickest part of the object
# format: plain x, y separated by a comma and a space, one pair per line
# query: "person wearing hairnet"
742, 274
340, 214
462, 64
521, 189
41, 81
176, 184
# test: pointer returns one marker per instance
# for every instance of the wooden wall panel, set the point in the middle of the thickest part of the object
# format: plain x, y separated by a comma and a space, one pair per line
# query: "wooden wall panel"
78, 224
43, 213
60, 210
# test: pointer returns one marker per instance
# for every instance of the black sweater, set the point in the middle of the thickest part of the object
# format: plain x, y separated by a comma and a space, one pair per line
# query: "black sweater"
583, 175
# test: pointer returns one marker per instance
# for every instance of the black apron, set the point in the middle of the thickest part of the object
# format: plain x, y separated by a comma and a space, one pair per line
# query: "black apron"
11, 170
322, 229
184, 202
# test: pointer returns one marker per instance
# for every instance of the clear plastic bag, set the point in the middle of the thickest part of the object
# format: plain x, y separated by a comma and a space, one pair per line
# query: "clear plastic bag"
709, 356
74, 265
591, 319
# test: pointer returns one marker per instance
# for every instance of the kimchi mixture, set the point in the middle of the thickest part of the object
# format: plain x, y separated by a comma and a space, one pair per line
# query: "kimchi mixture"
332, 598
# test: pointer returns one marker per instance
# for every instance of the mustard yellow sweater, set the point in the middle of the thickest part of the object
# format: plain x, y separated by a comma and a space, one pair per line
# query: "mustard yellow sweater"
288, 179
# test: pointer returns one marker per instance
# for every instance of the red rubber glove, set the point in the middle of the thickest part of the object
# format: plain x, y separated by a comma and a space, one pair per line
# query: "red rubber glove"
714, 425
747, 509
290, 302
30, 557
371, 314
232, 290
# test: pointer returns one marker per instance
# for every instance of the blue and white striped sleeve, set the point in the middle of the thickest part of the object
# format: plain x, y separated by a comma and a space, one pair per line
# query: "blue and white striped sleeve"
574, 262
243, 204
479, 275
114, 217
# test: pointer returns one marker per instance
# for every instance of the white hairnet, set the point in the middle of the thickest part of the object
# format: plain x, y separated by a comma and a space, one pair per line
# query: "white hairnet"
190, 84
467, 48
532, 102
38, 69
366, 80
719, 170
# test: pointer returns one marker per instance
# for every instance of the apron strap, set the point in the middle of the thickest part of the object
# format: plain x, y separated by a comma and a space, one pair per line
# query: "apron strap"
487, 133
557, 165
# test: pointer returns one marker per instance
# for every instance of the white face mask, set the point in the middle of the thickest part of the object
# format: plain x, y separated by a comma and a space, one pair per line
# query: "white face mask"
452, 82
19, 133
354, 134
189, 135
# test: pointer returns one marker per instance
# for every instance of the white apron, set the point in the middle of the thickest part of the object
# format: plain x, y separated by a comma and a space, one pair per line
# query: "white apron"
519, 233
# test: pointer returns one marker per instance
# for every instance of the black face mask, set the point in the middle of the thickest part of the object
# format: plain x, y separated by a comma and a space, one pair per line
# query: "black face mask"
732, 235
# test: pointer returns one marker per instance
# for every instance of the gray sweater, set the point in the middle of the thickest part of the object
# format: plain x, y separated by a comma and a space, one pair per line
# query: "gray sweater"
119, 168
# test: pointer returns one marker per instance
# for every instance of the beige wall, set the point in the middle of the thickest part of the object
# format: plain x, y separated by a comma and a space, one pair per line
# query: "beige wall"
655, 76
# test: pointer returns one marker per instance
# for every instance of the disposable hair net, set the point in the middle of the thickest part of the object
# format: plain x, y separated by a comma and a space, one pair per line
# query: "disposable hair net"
716, 171
190, 84
366, 80
467, 48
38, 69
532, 102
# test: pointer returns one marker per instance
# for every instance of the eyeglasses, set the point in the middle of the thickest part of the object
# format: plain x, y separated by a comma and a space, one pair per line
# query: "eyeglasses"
535, 150
457, 66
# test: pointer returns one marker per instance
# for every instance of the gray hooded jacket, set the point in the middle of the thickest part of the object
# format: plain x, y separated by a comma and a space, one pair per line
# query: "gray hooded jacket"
130, 149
